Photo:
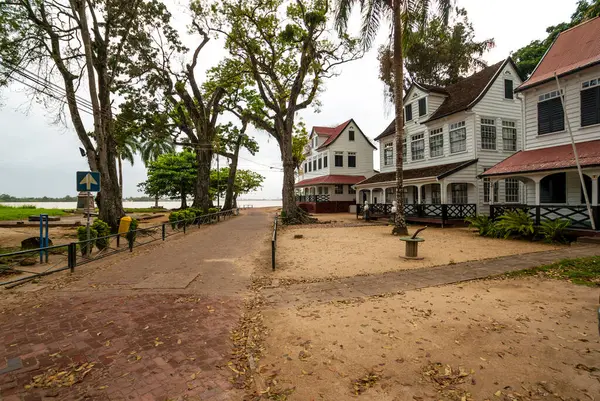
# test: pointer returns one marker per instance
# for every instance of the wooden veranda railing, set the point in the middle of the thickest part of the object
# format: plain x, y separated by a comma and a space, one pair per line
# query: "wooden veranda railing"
576, 214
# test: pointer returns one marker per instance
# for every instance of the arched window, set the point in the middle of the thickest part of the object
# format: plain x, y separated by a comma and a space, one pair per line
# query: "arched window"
553, 188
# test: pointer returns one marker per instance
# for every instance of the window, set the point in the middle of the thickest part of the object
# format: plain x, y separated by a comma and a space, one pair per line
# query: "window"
325, 190
320, 190
458, 137
388, 154
553, 189
324, 161
404, 150
320, 164
351, 135
511, 190
309, 166
422, 106
339, 189
590, 103
408, 112
436, 194
351, 190
305, 167
315, 141
488, 133
551, 117
509, 135
339, 159
459, 194
436, 142
314, 164
351, 159
486, 191
508, 89
417, 147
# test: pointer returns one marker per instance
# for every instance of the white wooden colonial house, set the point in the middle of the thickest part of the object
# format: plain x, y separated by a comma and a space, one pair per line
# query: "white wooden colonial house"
547, 164
451, 135
336, 159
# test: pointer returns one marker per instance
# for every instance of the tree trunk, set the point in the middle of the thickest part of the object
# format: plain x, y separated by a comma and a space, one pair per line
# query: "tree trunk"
229, 196
120, 174
156, 201
399, 220
290, 211
183, 200
201, 196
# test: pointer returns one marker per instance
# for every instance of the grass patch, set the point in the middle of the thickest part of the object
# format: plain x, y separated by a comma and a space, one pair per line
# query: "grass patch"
145, 210
582, 271
23, 212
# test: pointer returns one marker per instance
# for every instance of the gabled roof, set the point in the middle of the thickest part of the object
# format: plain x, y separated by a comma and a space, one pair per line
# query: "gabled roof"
334, 132
440, 171
331, 179
462, 95
430, 88
574, 49
545, 159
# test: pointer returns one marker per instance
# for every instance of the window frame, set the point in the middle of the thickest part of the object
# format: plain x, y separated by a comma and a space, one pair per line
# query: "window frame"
414, 140
325, 161
351, 191
486, 190
491, 137
454, 192
314, 164
406, 112
436, 194
320, 163
352, 156
335, 159
339, 189
512, 87
388, 150
456, 128
511, 185
436, 135
587, 86
504, 139
546, 98
351, 135
552, 191
424, 99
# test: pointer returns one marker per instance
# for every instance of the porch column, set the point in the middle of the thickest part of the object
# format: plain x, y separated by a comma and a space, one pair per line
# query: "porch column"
419, 200
371, 196
491, 191
537, 191
358, 196
594, 199
444, 192
384, 200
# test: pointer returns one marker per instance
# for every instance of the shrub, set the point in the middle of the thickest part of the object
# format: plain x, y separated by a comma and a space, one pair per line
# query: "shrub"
515, 223
554, 230
213, 210
132, 231
482, 223
174, 217
188, 215
86, 246
103, 230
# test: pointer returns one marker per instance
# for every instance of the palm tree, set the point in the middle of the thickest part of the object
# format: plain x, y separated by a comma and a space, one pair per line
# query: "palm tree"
153, 147
403, 14
127, 147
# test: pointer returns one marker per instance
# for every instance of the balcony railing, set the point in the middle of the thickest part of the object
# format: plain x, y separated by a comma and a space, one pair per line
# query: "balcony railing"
576, 214
443, 212
312, 198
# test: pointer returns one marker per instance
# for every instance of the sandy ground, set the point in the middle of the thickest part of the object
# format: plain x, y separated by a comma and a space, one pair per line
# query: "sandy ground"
326, 252
488, 340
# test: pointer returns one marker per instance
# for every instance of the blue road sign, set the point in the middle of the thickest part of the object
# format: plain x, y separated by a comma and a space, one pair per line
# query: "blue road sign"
88, 181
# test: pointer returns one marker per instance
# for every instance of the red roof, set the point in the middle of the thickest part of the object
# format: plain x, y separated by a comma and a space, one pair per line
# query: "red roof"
331, 132
331, 179
572, 50
554, 158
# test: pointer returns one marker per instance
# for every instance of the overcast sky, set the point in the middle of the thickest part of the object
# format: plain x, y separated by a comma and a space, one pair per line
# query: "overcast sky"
38, 157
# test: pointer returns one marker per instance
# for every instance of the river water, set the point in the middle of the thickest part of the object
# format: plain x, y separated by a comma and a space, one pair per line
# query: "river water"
168, 204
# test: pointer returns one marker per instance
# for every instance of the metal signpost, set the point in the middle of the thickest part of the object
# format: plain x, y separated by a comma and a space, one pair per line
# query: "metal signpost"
88, 181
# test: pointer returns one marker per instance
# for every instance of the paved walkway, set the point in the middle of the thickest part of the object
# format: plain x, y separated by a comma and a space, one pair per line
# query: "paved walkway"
393, 282
151, 325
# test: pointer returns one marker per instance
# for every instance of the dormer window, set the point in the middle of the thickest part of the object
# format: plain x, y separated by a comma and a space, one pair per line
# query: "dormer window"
315, 141
422, 106
508, 89
408, 112
351, 135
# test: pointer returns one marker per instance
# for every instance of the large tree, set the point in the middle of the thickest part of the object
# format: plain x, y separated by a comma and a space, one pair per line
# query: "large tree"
63, 48
245, 181
403, 14
528, 57
437, 53
285, 51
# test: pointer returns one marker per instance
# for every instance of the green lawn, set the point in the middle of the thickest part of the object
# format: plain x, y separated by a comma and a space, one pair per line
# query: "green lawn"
583, 271
23, 212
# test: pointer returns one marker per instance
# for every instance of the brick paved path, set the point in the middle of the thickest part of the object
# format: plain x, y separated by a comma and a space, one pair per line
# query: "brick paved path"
155, 323
392, 282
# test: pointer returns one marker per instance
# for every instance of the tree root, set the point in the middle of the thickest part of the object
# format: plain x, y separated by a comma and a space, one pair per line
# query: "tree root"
301, 217
397, 230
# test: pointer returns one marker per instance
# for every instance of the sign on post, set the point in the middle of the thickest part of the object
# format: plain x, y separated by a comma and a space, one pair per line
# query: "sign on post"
88, 181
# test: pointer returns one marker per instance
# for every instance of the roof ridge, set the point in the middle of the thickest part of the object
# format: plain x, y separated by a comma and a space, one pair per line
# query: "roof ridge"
578, 25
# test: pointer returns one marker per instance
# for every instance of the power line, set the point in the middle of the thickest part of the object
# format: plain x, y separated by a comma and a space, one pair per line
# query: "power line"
262, 164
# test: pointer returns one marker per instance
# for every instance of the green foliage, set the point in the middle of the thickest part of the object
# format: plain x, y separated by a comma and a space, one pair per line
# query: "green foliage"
528, 57
23, 212
9, 198
187, 216
299, 142
86, 246
132, 233
102, 230
481, 223
245, 182
554, 230
582, 271
171, 174
212, 210
517, 223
